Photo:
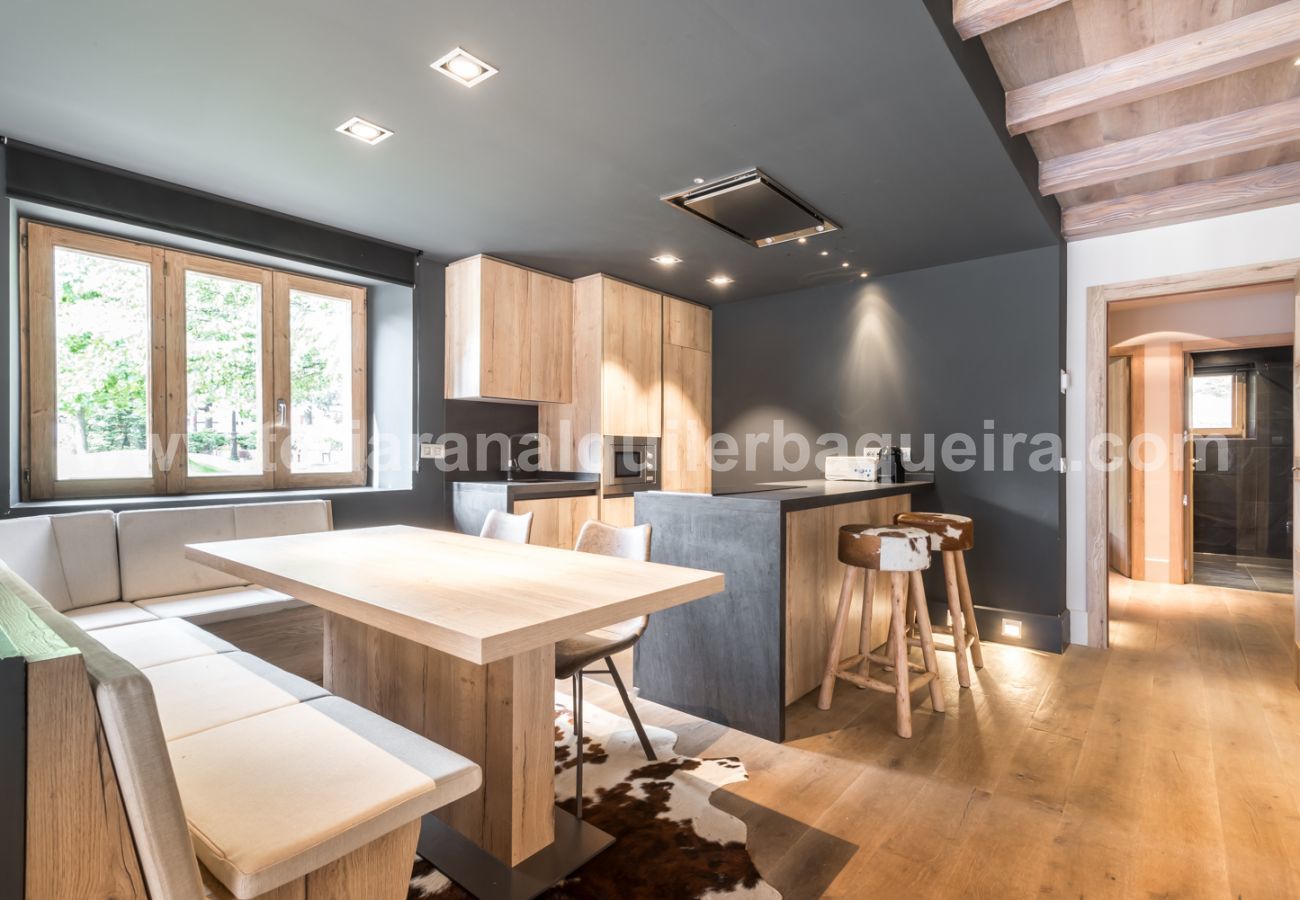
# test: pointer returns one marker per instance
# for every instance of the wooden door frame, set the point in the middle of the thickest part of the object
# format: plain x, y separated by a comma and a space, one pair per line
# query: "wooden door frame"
1097, 352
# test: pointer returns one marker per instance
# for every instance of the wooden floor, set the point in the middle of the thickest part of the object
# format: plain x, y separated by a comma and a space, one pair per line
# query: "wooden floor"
1166, 767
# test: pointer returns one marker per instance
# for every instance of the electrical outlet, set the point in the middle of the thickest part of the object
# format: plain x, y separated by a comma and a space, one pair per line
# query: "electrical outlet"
433, 451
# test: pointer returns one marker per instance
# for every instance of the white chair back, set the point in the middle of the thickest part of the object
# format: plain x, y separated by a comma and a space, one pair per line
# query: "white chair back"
506, 527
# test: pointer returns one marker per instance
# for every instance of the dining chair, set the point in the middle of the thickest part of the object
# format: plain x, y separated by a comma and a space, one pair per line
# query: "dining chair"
507, 527
573, 655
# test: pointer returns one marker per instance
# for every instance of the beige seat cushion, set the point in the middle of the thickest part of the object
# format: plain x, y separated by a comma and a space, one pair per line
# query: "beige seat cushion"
256, 520
88, 550
208, 607
151, 544
28, 547
275, 796
146, 644
203, 692
109, 615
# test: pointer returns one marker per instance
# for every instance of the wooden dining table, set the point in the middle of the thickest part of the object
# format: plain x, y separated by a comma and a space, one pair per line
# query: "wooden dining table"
453, 637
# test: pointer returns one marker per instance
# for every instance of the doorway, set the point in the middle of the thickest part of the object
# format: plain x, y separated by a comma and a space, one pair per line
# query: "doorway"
1240, 410
1203, 503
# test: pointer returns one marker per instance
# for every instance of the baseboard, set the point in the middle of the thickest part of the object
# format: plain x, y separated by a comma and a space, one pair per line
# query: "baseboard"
1037, 631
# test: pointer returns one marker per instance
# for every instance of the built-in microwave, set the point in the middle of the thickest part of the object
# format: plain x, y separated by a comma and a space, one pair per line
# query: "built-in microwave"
631, 464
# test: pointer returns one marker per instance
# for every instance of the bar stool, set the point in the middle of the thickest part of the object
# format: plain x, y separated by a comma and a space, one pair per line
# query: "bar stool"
903, 553
952, 536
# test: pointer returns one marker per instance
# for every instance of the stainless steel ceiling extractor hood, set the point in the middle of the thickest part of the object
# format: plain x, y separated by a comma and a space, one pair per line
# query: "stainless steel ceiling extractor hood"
753, 207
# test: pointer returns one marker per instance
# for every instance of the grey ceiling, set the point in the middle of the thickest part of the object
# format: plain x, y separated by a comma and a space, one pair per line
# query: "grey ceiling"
558, 162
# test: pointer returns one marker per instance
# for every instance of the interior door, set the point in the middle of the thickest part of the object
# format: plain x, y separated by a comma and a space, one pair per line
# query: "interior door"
1118, 387
1295, 470
1189, 468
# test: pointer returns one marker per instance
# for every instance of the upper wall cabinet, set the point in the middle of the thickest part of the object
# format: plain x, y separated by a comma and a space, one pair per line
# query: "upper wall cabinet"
688, 325
632, 364
509, 333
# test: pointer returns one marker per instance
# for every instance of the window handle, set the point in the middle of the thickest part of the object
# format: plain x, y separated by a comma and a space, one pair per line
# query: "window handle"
281, 413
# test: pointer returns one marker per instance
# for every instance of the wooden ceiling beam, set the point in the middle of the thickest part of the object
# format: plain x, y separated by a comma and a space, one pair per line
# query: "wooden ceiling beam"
1233, 46
975, 17
1184, 202
1237, 132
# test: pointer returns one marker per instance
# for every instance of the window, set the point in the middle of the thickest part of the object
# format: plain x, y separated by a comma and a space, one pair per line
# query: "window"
1218, 404
151, 371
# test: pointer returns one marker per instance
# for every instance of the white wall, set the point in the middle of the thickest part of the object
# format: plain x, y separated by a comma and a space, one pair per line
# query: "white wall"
1262, 236
1236, 314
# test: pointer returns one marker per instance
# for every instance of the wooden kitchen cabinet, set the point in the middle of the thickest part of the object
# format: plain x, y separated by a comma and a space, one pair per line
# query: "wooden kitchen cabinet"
632, 359
687, 420
618, 511
509, 333
688, 324
557, 520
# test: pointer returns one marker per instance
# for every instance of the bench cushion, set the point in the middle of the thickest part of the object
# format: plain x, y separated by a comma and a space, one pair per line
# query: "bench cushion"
140, 760
203, 692
258, 520
88, 550
321, 789
109, 615
28, 547
222, 605
151, 544
146, 644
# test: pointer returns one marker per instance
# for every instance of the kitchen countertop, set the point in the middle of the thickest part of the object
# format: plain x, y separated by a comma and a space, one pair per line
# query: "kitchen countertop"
808, 493
576, 484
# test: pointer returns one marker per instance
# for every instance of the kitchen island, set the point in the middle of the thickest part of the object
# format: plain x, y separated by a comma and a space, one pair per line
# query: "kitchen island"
741, 657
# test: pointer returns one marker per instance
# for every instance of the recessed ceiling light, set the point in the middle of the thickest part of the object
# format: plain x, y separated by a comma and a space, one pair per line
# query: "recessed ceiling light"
665, 259
821, 227
844, 265
464, 67
699, 181
865, 274
366, 132
803, 240
721, 280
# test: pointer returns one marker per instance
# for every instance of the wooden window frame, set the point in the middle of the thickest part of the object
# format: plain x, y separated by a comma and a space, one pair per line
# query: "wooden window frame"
1238, 429
168, 394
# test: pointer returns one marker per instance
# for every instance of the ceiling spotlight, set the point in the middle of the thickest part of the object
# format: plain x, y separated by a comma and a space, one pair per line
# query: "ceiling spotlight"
864, 274
699, 181
826, 253
844, 265
366, 132
803, 240
767, 240
464, 67
821, 227
721, 280
665, 259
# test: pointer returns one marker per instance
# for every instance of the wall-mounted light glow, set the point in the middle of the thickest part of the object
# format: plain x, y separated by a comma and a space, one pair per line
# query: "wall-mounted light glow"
721, 280
1011, 628
366, 132
665, 259
464, 67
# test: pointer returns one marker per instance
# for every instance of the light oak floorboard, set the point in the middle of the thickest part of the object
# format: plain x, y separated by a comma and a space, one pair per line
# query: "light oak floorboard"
1163, 767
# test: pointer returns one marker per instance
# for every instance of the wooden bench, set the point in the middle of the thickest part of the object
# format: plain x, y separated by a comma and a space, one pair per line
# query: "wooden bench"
160, 760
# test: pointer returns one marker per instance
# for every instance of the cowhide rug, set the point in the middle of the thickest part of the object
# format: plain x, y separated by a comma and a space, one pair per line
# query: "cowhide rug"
670, 841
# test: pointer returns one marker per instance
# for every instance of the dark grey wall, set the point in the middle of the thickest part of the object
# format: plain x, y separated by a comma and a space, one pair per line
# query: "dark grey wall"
937, 351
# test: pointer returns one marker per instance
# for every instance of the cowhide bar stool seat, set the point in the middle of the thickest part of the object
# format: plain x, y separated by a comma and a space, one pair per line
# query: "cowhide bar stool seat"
902, 553
952, 536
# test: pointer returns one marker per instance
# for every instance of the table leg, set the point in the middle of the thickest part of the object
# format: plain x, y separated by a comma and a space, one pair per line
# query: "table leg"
501, 715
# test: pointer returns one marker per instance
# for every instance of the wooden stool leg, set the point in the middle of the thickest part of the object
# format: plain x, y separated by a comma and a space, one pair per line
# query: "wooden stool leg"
968, 607
864, 642
927, 640
902, 696
837, 638
958, 617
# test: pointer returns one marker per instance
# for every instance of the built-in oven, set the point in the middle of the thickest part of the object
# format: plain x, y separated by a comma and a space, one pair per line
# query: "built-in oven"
631, 464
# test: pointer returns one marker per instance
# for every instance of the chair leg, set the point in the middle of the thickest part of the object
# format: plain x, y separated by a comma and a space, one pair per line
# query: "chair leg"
577, 733
958, 617
968, 607
631, 710
837, 638
902, 696
864, 642
927, 640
